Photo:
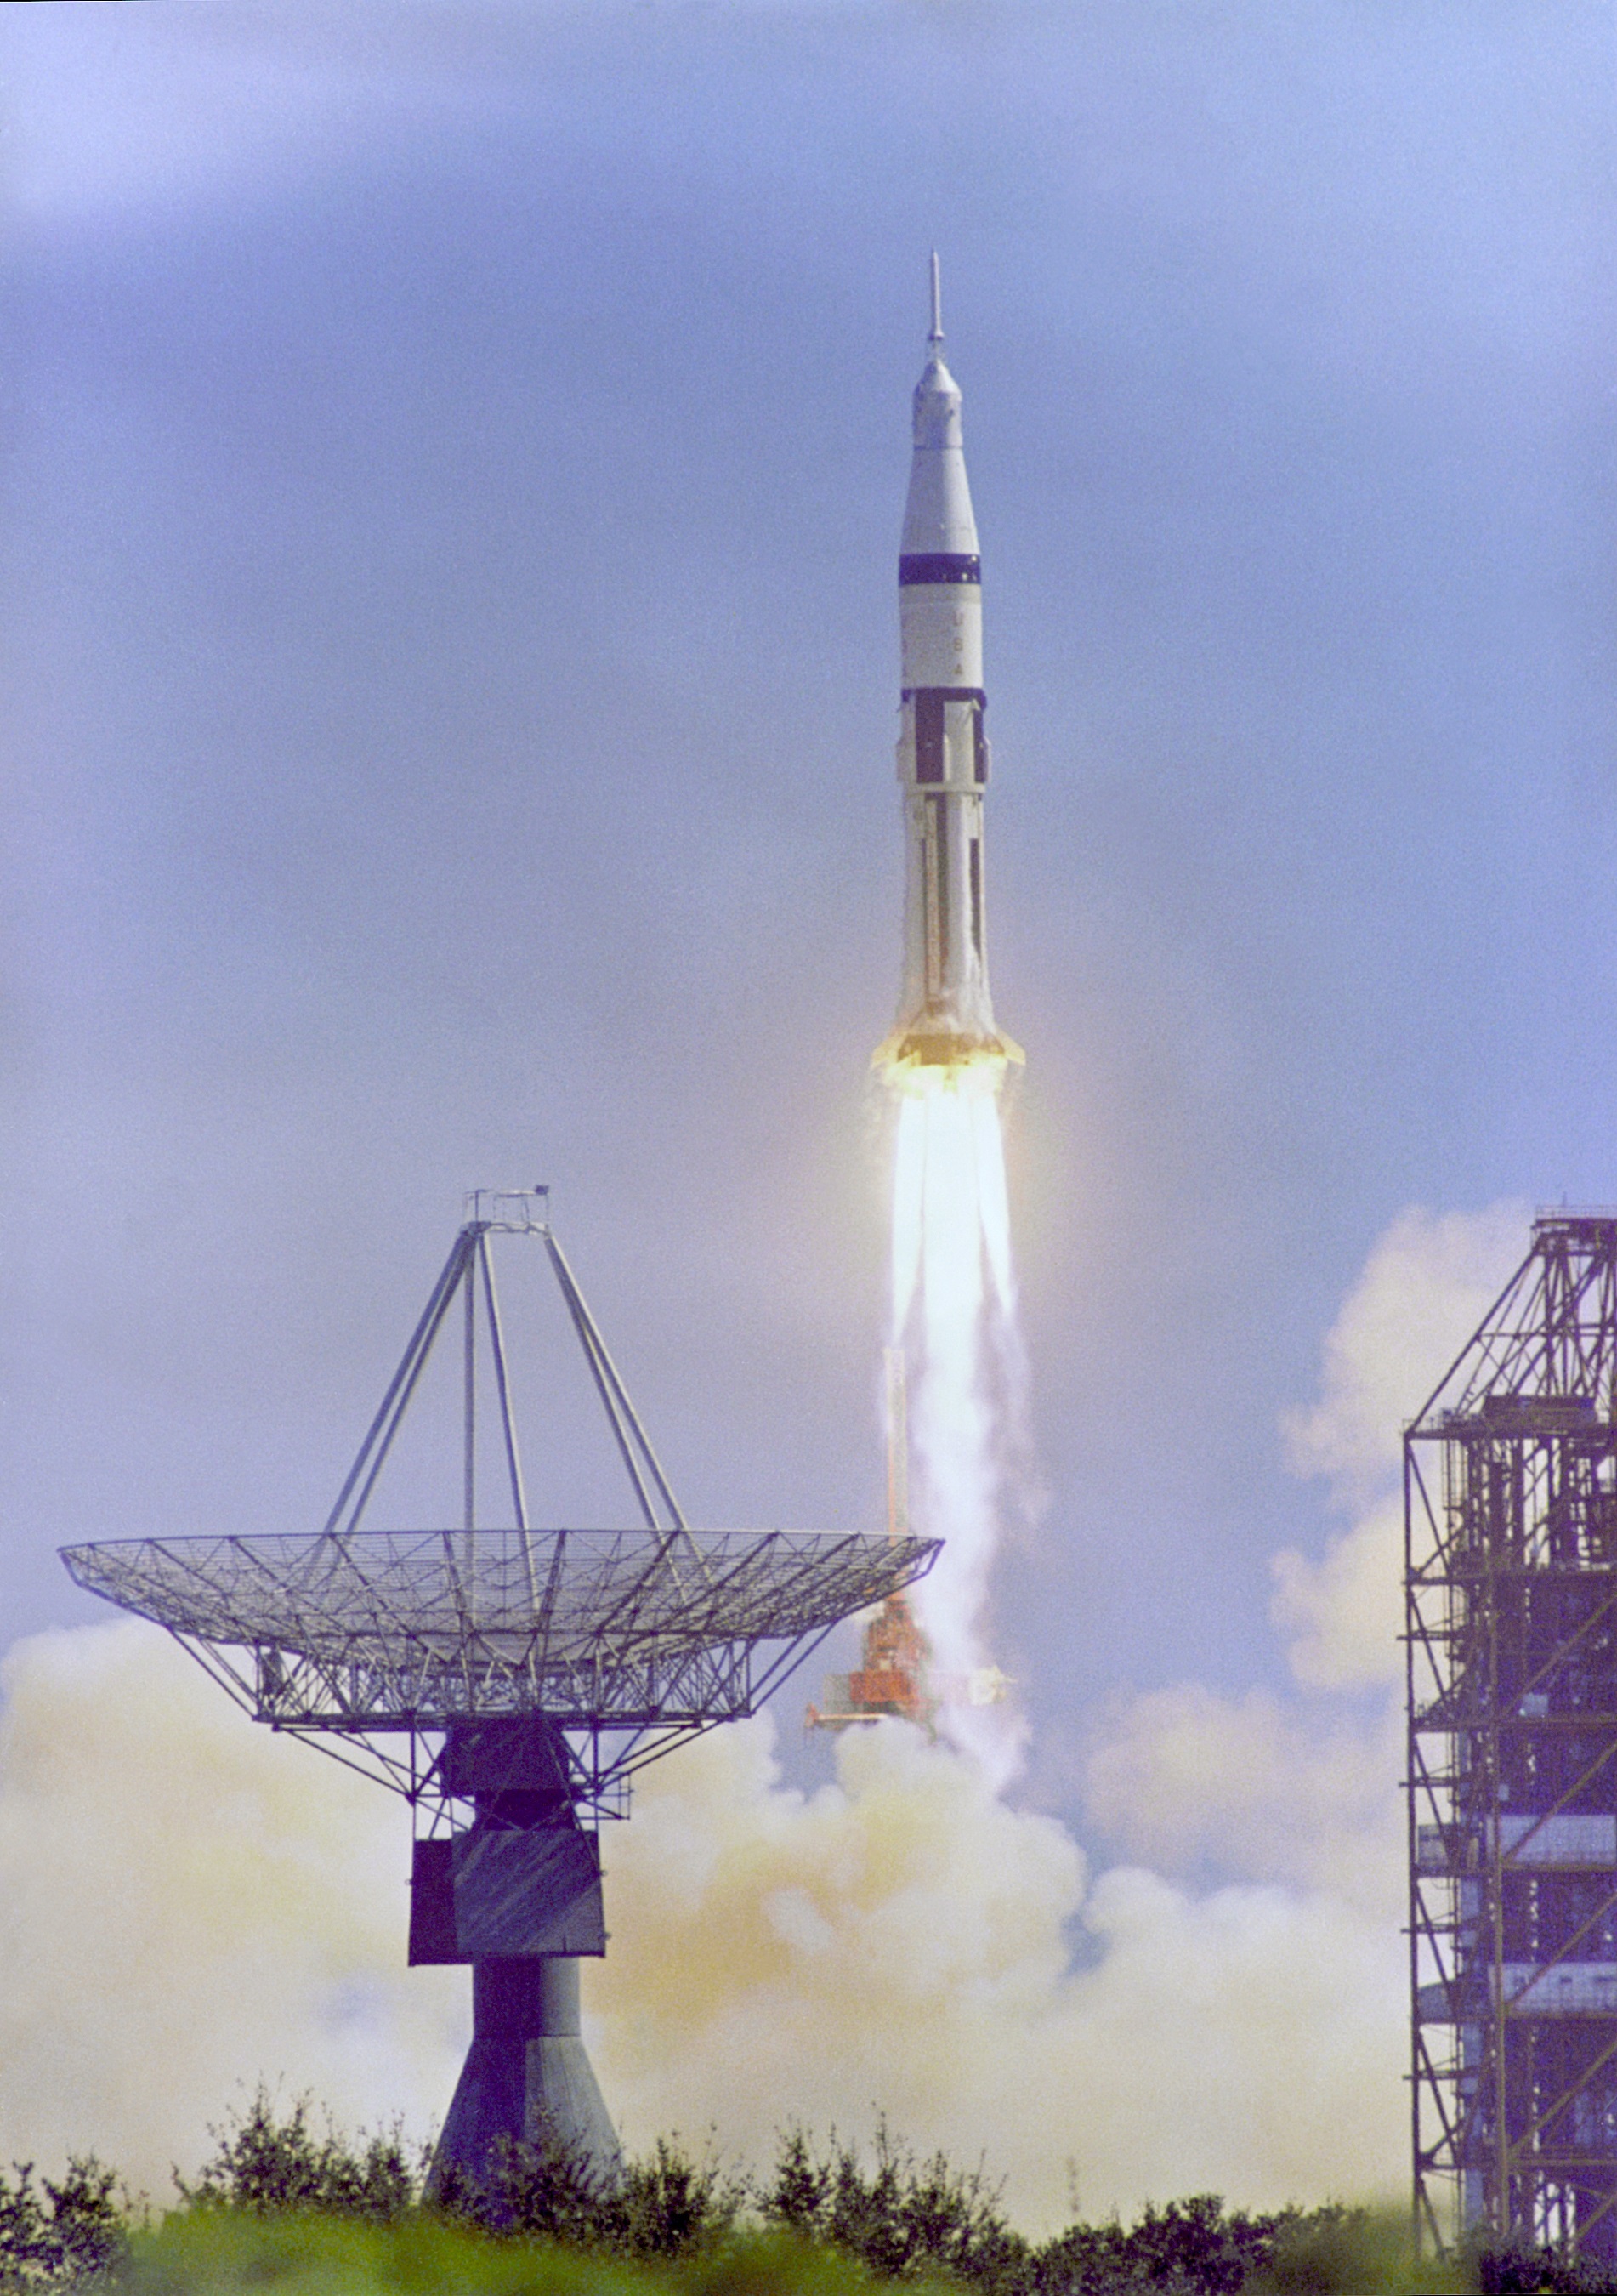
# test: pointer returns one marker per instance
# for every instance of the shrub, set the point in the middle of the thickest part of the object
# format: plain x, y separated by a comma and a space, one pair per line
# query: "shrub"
1189, 2247
62, 2235
672, 2205
1515, 2268
264, 2163
278, 2202
669, 2205
1337, 2251
538, 2189
901, 2218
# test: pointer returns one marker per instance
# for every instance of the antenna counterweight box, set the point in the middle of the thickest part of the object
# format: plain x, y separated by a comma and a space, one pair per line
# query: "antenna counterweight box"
483, 1894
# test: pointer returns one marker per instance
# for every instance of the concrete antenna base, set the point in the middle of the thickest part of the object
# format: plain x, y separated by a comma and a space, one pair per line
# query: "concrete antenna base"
527, 2075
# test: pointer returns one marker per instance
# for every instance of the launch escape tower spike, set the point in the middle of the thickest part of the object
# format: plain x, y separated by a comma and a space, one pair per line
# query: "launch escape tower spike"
509, 1682
1510, 1480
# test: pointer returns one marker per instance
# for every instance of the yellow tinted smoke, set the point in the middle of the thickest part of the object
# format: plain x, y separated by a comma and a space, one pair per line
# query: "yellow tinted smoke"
189, 1903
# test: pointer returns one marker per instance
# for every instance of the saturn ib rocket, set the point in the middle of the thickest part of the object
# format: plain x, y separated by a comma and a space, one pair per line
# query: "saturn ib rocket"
945, 1018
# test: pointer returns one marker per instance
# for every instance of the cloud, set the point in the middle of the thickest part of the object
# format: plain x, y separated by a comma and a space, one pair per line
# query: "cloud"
1183, 1777
901, 1942
189, 1903
1344, 1613
1425, 1289
1304, 1793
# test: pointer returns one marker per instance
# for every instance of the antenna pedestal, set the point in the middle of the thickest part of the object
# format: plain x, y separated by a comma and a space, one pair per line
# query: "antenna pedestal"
517, 1895
526, 2075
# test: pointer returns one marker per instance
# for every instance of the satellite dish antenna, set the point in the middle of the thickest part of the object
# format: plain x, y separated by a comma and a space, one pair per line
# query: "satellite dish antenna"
508, 1683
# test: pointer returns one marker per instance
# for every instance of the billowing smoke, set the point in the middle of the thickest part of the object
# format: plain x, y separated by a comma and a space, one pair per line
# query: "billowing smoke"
904, 1942
1428, 1286
189, 1903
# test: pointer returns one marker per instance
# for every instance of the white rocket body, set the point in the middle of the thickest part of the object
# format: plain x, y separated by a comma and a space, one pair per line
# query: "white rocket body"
945, 1018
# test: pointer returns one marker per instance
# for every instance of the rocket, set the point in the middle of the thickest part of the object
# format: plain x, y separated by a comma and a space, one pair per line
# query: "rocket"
945, 1017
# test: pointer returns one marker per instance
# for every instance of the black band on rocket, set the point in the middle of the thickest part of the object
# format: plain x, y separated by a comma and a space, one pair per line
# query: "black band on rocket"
939, 566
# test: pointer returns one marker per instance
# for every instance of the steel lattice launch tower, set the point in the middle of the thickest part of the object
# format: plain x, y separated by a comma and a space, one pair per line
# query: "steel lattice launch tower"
945, 1016
1511, 1593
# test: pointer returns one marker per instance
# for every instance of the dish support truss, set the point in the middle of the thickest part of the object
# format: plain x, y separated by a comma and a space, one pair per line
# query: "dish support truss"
529, 1673
1510, 1480
624, 1641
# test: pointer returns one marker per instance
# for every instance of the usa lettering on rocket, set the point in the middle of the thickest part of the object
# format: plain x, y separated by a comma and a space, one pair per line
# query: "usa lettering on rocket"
945, 1016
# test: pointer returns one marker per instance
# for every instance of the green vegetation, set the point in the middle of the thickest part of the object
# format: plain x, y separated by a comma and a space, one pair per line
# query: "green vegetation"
62, 2235
284, 2210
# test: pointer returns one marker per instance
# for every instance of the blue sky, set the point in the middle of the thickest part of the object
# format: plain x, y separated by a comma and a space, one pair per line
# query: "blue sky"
456, 463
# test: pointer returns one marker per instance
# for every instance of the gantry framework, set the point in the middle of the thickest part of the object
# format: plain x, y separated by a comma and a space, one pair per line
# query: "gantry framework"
1511, 1611
627, 1639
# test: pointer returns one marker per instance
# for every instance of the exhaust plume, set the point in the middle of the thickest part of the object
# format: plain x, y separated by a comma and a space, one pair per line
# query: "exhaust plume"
954, 1313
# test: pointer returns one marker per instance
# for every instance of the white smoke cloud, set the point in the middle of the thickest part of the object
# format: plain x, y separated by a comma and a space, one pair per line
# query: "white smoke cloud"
187, 1902
1426, 1286
1182, 1777
904, 1942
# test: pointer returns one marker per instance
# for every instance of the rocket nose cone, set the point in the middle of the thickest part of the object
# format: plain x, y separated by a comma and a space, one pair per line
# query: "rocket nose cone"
937, 406
935, 376
938, 510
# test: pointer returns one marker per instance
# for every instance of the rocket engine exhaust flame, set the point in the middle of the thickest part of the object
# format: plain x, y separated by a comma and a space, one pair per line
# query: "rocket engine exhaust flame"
954, 1299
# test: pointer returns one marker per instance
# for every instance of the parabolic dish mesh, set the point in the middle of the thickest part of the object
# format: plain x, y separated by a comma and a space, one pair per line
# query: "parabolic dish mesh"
397, 1629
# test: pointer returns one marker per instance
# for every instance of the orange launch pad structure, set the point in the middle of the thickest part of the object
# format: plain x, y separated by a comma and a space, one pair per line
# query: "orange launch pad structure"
891, 1677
